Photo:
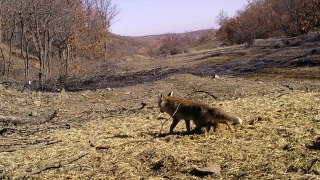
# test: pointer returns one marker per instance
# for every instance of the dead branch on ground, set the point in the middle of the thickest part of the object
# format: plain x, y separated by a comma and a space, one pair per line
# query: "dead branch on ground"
99, 147
30, 146
15, 120
29, 130
12, 120
56, 164
201, 91
143, 105
288, 86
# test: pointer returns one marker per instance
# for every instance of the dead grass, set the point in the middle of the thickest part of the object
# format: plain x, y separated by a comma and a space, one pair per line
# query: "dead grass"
110, 137
106, 134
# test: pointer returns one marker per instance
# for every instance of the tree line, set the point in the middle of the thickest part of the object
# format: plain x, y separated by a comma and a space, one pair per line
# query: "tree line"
54, 32
269, 18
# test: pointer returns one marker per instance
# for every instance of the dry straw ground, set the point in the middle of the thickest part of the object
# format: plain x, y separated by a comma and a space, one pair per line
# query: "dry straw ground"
109, 134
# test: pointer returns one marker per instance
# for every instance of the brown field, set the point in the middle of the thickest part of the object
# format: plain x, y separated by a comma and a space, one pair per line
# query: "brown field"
106, 133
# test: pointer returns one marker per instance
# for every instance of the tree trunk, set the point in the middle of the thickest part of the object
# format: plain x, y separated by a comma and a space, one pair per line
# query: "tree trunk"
24, 48
10, 54
40, 52
49, 51
67, 60
4, 63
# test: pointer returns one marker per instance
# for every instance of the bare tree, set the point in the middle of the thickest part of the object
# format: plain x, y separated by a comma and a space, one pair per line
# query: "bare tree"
170, 44
2, 2
100, 16
10, 29
265, 18
106, 13
23, 12
54, 31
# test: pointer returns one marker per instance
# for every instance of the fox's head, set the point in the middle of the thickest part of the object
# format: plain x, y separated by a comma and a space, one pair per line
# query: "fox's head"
162, 101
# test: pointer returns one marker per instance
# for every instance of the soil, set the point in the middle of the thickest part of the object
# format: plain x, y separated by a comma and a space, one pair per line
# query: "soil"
264, 62
106, 126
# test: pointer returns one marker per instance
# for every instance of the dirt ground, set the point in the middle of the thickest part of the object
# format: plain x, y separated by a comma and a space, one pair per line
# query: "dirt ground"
110, 130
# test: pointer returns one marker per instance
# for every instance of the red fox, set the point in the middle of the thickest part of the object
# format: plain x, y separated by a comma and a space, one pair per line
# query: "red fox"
201, 114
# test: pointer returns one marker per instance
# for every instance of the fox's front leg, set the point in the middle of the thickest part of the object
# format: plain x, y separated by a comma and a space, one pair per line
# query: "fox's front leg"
174, 124
215, 126
187, 125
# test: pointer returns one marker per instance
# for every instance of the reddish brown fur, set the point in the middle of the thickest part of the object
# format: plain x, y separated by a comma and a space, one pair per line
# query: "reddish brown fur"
201, 114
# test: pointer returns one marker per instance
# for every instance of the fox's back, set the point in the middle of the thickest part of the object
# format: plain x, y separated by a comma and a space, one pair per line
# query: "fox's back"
196, 111
183, 108
200, 113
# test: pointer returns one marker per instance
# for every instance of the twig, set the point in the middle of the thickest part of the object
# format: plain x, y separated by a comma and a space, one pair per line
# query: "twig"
143, 105
307, 88
98, 147
30, 121
280, 95
47, 167
49, 118
43, 144
76, 157
25, 140
288, 86
32, 146
29, 131
15, 120
56, 164
314, 161
201, 91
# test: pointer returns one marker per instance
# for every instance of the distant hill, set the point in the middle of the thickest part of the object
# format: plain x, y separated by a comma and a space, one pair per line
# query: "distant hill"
122, 46
195, 35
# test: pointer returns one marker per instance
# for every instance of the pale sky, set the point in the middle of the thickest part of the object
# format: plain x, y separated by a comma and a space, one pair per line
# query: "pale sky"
151, 17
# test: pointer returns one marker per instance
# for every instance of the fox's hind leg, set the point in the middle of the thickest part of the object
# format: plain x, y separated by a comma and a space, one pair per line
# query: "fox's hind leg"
174, 124
229, 125
215, 126
209, 128
187, 125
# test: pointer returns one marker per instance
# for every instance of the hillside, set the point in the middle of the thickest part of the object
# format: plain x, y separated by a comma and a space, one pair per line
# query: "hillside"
82, 65
107, 126
124, 46
196, 35
265, 60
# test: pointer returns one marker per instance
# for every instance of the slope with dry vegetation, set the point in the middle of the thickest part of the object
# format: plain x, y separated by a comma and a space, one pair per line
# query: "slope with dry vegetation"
105, 123
269, 18
111, 131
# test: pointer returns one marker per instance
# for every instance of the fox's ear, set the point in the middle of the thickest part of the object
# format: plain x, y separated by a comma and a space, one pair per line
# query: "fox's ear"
161, 97
170, 93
